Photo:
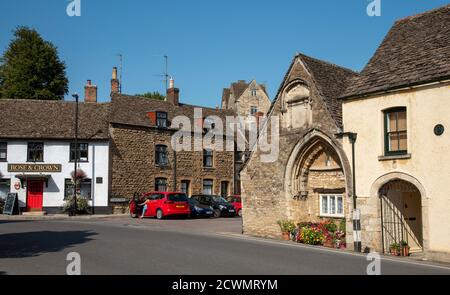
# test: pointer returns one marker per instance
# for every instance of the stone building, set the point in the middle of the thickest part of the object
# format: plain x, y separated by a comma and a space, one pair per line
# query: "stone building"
399, 107
246, 99
310, 179
142, 156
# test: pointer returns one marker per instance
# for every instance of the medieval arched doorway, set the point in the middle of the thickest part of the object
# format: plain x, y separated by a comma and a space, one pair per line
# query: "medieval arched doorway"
401, 215
318, 184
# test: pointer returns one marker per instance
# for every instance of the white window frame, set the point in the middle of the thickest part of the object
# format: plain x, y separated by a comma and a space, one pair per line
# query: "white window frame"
328, 196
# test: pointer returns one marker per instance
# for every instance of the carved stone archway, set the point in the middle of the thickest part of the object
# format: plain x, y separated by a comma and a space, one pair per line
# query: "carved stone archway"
303, 156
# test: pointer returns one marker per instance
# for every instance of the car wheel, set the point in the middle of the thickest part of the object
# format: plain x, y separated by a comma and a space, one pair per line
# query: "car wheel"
239, 213
159, 214
216, 213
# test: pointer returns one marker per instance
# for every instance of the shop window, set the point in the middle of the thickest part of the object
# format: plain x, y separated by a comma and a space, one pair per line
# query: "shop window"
5, 186
395, 134
3, 151
161, 184
83, 152
332, 205
161, 157
35, 152
84, 188
208, 186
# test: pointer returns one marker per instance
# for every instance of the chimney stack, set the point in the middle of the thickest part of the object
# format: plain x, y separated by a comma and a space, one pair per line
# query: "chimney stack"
173, 94
90, 92
115, 83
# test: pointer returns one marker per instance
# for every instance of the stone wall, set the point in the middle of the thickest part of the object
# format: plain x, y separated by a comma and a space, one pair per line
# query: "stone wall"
133, 167
266, 186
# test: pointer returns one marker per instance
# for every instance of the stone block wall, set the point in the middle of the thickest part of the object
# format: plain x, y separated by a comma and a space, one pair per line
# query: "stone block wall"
133, 167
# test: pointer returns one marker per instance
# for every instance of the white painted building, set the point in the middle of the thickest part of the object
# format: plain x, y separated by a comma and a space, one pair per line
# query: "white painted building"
37, 153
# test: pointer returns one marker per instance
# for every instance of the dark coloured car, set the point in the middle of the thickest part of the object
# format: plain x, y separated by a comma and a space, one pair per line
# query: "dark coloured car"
221, 207
236, 201
200, 210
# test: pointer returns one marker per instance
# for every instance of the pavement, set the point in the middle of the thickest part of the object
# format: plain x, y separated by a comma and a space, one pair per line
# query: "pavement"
121, 245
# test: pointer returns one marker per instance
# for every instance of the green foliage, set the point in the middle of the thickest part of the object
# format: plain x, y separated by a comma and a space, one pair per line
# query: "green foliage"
343, 225
286, 226
395, 246
30, 68
153, 95
330, 227
2, 205
82, 205
311, 236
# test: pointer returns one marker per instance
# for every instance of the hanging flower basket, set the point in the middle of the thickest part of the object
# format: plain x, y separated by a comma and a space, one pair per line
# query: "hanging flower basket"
80, 174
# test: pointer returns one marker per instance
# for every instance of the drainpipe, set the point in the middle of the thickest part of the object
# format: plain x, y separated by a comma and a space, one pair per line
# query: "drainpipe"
174, 171
356, 212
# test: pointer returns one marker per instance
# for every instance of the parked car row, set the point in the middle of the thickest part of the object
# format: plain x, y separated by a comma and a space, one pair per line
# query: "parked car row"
165, 204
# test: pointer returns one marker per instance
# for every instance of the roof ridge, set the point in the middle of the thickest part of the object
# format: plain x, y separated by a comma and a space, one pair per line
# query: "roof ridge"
328, 63
411, 17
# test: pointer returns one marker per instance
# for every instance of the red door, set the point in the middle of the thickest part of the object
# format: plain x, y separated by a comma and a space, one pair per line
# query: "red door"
35, 195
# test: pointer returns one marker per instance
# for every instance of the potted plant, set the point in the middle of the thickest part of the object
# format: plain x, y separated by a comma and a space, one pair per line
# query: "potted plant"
287, 227
405, 248
394, 249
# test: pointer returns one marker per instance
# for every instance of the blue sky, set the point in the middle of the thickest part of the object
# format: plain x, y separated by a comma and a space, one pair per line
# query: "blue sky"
209, 43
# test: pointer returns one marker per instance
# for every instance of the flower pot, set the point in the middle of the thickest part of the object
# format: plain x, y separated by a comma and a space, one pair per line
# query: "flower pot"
395, 252
286, 236
405, 251
329, 244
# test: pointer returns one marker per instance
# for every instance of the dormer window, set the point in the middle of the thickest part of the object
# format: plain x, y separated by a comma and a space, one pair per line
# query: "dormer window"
161, 119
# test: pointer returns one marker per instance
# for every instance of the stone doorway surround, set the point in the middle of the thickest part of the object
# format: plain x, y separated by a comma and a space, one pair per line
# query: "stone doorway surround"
302, 149
375, 194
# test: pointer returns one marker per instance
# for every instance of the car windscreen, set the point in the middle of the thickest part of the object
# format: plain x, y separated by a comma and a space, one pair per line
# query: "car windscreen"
194, 202
177, 198
219, 199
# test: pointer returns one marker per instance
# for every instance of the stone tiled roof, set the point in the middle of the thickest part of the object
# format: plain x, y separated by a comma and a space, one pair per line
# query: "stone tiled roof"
132, 110
331, 80
38, 119
415, 51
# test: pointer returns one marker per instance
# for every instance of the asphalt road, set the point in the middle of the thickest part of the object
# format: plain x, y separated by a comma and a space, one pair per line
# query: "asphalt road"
172, 247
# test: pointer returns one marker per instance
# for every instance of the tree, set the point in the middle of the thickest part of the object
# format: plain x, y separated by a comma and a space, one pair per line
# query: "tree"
30, 68
153, 95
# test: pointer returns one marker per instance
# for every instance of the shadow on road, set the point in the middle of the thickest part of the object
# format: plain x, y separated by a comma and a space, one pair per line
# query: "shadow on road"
29, 244
13, 221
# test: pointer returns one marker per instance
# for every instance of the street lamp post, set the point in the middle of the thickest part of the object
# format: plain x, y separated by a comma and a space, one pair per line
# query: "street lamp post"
75, 174
356, 213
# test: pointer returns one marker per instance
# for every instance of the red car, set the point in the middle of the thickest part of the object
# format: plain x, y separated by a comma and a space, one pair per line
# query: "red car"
160, 205
236, 201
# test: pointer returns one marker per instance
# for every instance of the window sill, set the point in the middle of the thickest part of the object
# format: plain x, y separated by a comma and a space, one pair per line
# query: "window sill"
332, 216
208, 168
394, 157
165, 166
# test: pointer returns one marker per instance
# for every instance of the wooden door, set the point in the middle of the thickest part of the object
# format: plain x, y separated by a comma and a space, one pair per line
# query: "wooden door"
35, 195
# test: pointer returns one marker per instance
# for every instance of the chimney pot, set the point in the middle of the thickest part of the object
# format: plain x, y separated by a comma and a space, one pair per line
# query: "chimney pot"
115, 83
90, 92
171, 83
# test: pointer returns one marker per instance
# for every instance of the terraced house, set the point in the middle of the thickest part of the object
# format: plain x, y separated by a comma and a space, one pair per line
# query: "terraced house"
399, 107
37, 153
143, 158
